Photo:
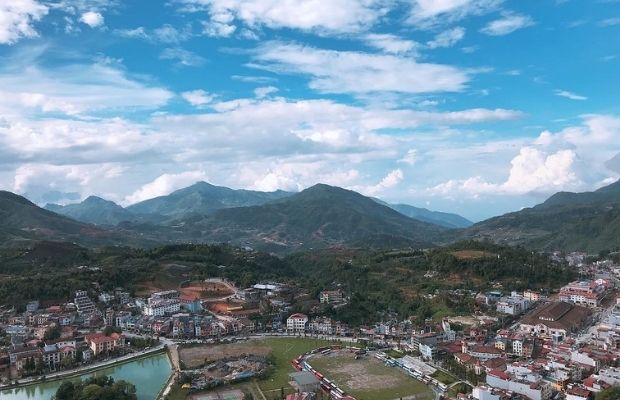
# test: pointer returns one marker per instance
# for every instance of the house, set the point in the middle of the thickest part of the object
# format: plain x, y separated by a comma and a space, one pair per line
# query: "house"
297, 322
481, 352
32, 306
304, 381
20, 356
330, 297
578, 393
512, 305
532, 295
100, 343
531, 386
84, 304
428, 351
157, 307
191, 303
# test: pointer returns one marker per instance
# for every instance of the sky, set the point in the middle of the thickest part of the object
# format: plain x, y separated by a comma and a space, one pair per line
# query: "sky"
478, 107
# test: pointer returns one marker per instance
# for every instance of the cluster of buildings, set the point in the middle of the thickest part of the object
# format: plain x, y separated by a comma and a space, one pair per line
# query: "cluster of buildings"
568, 348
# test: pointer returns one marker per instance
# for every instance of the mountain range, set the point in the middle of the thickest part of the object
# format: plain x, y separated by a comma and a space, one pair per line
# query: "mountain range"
23, 221
203, 199
320, 216
588, 221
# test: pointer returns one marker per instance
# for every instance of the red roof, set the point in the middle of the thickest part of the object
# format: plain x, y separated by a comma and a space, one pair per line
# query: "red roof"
298, 316
578, 391
499, 374
102, 338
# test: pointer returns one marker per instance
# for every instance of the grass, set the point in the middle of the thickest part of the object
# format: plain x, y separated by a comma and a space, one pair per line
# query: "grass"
284, 350
443, 377
460, 388
378, 382
395, 353
177, 393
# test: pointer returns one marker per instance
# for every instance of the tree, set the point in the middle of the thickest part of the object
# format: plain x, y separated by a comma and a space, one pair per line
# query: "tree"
96, 388
613, 393
66, 391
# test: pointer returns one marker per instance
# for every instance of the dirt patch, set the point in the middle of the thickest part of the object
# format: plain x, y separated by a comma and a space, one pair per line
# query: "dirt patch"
195, 356
472, 254
216, 290
360, 376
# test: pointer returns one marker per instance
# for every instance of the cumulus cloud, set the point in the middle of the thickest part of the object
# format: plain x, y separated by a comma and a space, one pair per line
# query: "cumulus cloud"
447, 38
198, 98
532, 170
17, 19
509, 23
220, 24
335, 16
332, 71
392, 179
569, 95
165, 184
575, 158
92, 19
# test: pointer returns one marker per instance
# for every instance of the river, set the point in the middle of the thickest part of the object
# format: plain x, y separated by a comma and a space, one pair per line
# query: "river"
148, 374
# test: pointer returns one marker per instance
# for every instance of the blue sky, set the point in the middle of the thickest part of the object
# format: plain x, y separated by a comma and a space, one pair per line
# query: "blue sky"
473, 106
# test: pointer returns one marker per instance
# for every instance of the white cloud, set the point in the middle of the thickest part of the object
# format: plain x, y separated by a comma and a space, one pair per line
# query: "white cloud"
92, 19
569, 95
355, 72
392, 179
574, 158
17, 18
220, 24
391, 44
335, 16
410, 157
264, 91
38, 179
165, 184
198, 98
532, 170
509, 23
76, 89
164, 34
427, 13
135, 33
183, 57
447, 38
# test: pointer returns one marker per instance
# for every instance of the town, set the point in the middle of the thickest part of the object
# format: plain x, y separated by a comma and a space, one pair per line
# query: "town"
515, 345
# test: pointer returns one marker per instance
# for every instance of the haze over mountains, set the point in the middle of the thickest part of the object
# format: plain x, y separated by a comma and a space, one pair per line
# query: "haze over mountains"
320, 216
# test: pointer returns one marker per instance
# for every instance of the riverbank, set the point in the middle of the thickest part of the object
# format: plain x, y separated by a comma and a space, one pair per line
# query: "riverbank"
61, 375
173, 357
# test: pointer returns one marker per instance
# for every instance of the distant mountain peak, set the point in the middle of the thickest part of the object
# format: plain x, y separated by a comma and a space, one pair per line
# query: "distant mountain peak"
4, 194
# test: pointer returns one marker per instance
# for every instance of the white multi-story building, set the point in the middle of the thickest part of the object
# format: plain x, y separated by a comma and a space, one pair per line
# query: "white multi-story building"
157, 308
587, 293
297, 322
531, 386
513, 305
